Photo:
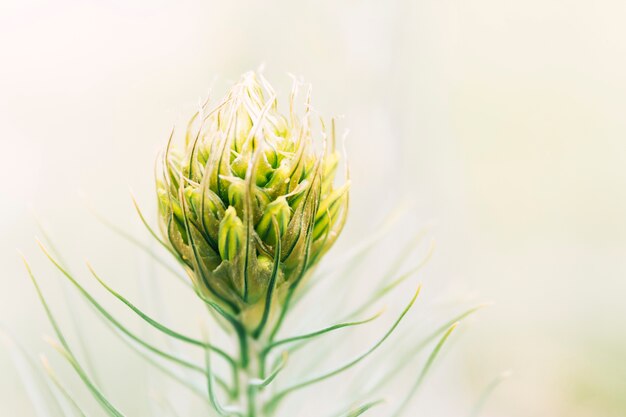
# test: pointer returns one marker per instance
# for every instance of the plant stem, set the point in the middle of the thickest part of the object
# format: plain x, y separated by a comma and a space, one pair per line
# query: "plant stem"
250, 372
252, 406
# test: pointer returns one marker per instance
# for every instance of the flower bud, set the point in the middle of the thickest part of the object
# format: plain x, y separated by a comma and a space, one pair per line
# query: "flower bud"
231, 235
278, 211
248, 202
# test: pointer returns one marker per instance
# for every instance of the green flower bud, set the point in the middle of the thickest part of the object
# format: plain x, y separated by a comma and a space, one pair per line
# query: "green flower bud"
277, 211
249, 203
236, 195
232, 235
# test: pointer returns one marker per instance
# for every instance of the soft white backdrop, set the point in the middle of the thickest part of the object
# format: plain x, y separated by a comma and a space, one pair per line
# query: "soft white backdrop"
502, 121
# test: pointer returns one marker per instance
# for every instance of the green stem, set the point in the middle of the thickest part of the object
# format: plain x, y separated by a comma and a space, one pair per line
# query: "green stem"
244, 354
251, 401
251, 374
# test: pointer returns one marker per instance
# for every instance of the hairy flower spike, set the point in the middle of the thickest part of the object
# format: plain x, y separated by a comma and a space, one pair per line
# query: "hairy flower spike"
249, 202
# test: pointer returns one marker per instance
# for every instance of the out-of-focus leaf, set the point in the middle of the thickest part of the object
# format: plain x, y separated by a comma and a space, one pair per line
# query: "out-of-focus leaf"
69, 399
424, 372
487, 392
40, 396
65, 350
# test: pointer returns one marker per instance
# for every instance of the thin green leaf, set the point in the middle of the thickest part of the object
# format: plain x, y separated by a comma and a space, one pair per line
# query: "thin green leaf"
166, 330
221, 410
265, 382
380, 291
40, 398
424, 372
200, 343
386, 288
412, 271
102, 400
318, 333
365, 407
64, 392
74, 315
354, 410
272, 403
415, 349
71, 359
487, 392
405, 254
136, 242
165, 370
153, 233
106, 315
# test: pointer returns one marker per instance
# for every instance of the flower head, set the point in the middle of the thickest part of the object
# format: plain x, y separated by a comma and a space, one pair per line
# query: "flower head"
249, 203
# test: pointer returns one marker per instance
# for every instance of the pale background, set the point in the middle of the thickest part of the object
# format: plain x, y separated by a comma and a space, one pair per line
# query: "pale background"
503, 121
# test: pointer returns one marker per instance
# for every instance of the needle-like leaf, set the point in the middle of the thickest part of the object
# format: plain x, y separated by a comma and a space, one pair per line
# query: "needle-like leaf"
385, 288
40, 397
183, 279
487, 392
59, 385
221, 410
71, 359
321, 332
273, 402
424, 372
265, 382
415, 349
65, 350
365, 407
154, 234
183, 380
106, 315
74, 315
168, 331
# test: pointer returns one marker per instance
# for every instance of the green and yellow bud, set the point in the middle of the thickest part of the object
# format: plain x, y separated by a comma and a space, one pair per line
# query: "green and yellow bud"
248, 203
232, 235
275, 216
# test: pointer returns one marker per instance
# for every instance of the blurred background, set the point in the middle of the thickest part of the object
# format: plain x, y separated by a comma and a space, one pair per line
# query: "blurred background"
500, 122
